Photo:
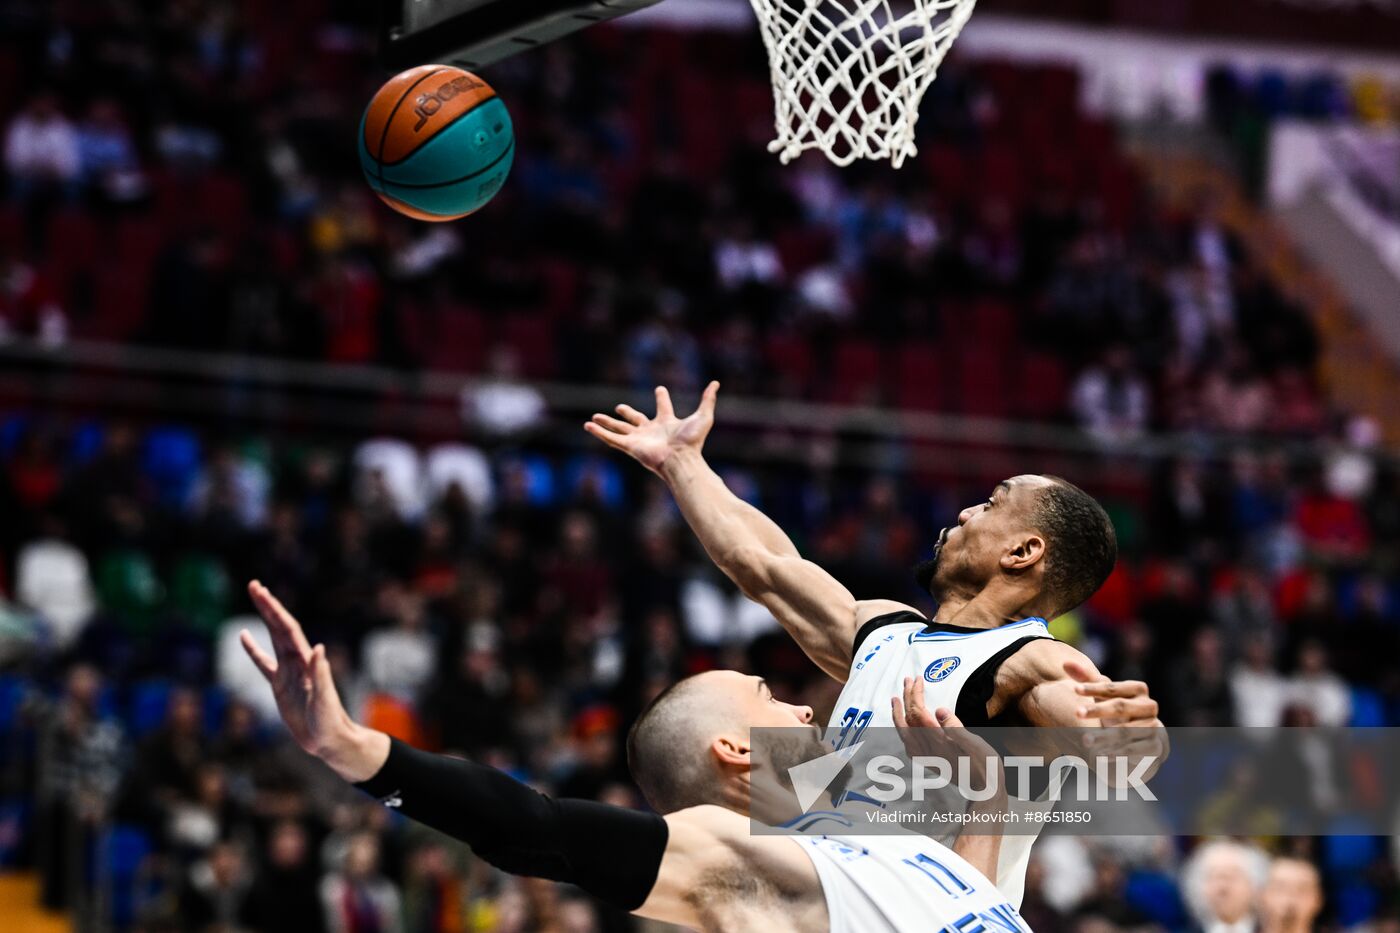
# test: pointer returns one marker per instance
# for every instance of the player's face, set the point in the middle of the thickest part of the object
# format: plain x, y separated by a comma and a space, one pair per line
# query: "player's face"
765, 710
968, 555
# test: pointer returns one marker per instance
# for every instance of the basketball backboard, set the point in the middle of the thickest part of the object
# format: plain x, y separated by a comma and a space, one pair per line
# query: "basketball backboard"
474, 33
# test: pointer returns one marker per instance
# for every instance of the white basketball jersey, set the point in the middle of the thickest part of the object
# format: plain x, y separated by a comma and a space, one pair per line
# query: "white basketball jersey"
904, 883
958, 666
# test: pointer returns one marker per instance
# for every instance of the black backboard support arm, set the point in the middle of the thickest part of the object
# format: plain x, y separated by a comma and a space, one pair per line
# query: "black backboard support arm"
474, 33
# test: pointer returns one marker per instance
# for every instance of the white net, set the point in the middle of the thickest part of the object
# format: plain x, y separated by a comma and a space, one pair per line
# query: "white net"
848, 75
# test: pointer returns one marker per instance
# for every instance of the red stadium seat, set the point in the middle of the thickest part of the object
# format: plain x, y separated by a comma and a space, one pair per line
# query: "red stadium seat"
139, 241
802, 248
120, 296
1042, 388
459, 340
993, 323
982, 377
531, 336
790, 357
857, 373
921, 378
222, 200
947, 170
11, 230
73, 242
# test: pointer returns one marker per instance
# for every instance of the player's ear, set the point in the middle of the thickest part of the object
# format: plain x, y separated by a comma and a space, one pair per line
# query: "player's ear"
1025, 552
731, 751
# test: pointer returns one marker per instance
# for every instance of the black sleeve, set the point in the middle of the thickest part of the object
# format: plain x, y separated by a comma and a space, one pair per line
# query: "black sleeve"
611, 852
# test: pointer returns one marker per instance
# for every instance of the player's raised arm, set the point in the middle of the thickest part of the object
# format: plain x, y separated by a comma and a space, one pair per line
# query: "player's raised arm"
626, 857
815, 608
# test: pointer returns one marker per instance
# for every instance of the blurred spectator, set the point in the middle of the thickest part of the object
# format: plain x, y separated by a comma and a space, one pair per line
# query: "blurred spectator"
1258, 693
389, 478
214, 894
1221, 882
29, 306
41, 150
357, 897
502, 404
284, 897
399, 659
168, 761
1201, 689
231, 491
1110, 399
1318, 688
79, 768
1291, 897
107, 154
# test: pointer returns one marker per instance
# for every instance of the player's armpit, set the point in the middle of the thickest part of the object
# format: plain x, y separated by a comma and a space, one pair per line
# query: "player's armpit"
814, 607
711, 850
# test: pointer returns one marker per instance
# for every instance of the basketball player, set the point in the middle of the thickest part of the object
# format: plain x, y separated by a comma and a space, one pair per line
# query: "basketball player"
699, 865
1036, 548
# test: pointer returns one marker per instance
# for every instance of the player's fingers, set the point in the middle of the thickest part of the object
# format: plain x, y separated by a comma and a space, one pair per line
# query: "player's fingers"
612, 424
1120, 709
630, 414
280, 622
1112, 688
913, 705
1082, 673
897, 711
663, 403
618, 441
707, 401
917, 693
267, 665
324, 683
947, 718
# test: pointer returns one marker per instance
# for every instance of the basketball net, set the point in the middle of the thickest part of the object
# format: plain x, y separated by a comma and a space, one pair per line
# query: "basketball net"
848, 75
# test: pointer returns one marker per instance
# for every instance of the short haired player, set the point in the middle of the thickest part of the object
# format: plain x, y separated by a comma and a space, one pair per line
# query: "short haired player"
699, 865
1035, 549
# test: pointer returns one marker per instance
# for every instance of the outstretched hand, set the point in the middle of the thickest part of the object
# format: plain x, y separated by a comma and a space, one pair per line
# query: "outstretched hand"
300, 677
651, 441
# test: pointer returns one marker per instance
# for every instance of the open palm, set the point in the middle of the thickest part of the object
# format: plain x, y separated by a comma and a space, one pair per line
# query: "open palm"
300, 676
650, 441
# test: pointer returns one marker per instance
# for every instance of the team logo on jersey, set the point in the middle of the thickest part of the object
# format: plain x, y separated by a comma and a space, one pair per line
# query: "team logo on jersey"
940, 669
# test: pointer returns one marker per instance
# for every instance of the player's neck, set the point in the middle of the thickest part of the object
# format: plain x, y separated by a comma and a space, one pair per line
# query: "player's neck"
991, 608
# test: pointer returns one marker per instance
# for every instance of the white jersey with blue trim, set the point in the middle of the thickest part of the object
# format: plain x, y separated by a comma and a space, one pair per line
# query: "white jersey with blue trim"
958, 666
904, 883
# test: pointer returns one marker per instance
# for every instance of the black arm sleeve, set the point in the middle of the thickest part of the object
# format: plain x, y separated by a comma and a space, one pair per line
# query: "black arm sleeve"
611, 852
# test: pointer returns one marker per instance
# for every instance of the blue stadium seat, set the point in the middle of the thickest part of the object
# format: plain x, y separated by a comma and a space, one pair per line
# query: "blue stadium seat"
1367, 708
215, 708
603, 474
1156, 895
86, 442
123, 850
15, 818
12, 431
12, 690
171, 459
149, 701
540, 487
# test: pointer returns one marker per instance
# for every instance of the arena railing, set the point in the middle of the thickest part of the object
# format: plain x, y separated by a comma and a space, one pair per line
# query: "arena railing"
84, 379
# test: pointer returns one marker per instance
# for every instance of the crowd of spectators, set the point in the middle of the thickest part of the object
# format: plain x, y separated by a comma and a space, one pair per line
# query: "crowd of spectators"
182, 175
646, 234
519, 606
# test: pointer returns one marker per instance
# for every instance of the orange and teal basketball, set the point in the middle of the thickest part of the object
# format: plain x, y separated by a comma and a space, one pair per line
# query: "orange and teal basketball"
436, 143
